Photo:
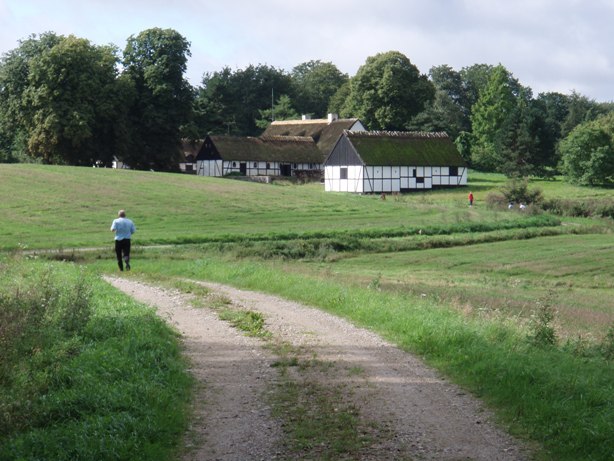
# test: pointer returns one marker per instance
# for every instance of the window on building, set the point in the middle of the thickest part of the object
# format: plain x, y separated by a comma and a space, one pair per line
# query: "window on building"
268, 166
234, 164
453, 171
343, 173
419, 180
413, 172
255, 165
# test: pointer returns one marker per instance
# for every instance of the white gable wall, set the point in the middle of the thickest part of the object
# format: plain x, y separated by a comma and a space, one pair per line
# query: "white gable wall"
353, 183
209, 167
357, 126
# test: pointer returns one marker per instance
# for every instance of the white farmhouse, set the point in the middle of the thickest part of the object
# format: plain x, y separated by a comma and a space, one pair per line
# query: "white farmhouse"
386, 162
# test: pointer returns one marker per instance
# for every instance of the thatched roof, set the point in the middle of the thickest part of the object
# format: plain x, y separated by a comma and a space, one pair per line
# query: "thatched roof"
324, 132
394, 148
190, 148
287, 149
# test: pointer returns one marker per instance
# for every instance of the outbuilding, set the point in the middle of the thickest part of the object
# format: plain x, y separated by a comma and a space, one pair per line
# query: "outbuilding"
386, 162
262, 156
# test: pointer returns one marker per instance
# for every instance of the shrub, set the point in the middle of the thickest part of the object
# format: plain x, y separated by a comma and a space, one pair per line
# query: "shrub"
599, 208
542, 331
608, 344
517, 191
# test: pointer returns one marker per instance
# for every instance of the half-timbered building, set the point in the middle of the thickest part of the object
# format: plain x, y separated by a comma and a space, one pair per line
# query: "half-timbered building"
262, 156
386, 162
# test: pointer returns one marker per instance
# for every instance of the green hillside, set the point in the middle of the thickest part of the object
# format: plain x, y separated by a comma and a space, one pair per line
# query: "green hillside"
67, 207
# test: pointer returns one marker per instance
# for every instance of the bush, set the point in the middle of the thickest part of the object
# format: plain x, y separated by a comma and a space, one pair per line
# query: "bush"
37, 308
595, 208
517, 191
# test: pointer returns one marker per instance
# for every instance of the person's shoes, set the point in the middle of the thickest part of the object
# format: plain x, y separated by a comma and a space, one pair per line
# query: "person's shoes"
127, 266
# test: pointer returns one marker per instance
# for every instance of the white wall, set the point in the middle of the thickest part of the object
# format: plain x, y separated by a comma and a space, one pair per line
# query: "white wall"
334, 183
388, 179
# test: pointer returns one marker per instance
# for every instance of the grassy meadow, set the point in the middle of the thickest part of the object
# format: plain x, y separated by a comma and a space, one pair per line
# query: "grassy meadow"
58, 207
515, 306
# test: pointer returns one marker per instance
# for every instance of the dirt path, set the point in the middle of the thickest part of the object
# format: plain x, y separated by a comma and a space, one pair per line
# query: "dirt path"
423, 416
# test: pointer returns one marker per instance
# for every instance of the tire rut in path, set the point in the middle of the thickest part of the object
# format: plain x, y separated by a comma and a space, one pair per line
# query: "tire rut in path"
424, 416
231, 419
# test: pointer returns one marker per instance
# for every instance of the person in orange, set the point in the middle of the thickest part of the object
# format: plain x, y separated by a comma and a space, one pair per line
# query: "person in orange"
470, 198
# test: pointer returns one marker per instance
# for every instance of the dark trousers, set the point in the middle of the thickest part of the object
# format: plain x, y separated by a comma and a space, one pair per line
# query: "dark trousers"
122, 248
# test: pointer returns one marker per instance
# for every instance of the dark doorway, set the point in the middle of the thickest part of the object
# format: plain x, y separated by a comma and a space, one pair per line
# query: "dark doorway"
243, 168
285, 169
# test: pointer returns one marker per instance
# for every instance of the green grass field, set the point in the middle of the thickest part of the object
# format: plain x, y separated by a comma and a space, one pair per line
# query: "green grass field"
59, 207
466, 288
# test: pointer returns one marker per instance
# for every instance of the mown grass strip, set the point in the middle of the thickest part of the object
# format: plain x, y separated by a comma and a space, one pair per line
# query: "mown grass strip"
402, 231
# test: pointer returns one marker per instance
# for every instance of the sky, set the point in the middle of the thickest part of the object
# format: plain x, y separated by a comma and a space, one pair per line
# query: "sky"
548, 45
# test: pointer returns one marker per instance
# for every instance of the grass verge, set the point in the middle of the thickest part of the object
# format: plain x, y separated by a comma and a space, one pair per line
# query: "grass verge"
86, 373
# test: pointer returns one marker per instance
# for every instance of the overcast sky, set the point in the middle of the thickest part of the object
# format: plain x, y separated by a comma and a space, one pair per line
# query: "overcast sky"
549, 45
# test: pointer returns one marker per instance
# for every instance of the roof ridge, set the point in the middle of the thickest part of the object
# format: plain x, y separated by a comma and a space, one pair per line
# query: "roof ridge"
314, 121
397, 134
271, 137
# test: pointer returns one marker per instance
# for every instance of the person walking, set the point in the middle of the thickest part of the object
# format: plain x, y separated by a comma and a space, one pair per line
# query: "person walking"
123, 228
470, 198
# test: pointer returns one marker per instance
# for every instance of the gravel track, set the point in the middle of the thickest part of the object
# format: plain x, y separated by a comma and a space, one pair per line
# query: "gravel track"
423, 416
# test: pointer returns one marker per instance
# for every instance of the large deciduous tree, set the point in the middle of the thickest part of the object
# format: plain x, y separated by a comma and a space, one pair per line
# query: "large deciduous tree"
387, 91
14, 81
72, 94
588, 152
155, 62
60, 100
315, 83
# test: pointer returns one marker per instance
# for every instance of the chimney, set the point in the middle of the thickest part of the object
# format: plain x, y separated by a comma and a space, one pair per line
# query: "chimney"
332, 118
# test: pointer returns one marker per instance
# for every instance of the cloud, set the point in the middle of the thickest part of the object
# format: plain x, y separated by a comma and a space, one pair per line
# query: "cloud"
548, 44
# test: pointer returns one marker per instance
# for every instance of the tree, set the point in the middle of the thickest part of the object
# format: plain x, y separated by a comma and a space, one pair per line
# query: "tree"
337, 102
580, 109
387, 91
229, 102
14, 81
474, 79
283, 110
489, 114
73, 98
447, 111
588, 152
315, 83
520, 141
155, 62
61, 100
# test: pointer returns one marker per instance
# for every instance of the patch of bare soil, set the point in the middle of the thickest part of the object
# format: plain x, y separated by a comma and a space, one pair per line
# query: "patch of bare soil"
418, 414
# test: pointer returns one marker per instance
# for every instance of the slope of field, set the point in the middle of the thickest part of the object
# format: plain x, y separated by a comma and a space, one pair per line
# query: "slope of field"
67, 207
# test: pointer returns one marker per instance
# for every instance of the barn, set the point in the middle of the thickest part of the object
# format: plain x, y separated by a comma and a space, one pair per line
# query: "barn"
262, 156
386, 162
324, 131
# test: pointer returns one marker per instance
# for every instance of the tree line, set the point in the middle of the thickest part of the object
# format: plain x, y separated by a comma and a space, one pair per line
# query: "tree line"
65, 100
